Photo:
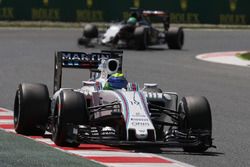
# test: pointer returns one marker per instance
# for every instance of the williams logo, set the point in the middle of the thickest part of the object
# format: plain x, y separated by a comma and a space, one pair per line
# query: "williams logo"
137, 3
233, 5
89, 3
184, 4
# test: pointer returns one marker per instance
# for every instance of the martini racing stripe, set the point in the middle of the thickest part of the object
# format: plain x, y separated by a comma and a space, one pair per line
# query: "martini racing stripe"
124, 101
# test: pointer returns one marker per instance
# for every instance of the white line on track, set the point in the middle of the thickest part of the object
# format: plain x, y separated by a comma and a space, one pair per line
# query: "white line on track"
142, 165
97, 153
6, 121
46, 141
6, 113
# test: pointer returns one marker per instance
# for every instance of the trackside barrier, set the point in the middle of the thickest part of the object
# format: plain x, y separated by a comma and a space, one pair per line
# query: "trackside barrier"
182, 11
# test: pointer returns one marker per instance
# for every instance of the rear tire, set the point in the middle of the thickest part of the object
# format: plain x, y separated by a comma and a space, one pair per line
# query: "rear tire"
141, 38
197, 116
31, 109
71, 108
83, 41
90, 31
175, 38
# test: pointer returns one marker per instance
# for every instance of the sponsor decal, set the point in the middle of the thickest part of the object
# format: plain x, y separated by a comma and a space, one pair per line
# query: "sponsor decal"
137, 3
184, 16
45, 14
89, 3
233, 18
6, 13
89, 15
143, 124
84, 56
138, 114
139, 119
184, 4
135, 102
233, 5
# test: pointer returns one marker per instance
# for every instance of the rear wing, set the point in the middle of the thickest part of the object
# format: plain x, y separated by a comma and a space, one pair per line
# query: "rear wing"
165, 16
155, 13
141, 14
81, 60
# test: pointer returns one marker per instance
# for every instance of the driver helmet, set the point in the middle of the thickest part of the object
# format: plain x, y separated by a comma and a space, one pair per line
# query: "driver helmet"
132, 20
116, 81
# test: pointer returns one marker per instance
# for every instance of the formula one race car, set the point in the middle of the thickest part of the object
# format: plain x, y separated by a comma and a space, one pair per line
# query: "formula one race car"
137, 32
116, 116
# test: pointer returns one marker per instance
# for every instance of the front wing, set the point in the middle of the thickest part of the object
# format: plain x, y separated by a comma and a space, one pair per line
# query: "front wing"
95, 135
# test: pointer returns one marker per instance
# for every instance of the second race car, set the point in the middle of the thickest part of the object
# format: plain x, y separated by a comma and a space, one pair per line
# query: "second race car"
137, 32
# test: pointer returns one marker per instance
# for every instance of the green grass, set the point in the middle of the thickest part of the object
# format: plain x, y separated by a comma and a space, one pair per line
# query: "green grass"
244, 56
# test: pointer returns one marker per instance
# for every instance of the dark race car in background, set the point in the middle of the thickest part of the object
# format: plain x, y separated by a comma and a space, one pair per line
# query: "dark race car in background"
127, 116
138, 36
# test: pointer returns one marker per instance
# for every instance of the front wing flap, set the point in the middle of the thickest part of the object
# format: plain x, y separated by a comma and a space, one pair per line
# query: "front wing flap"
108, 136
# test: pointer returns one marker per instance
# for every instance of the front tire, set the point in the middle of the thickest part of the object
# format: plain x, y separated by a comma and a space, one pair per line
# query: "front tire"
90, 31
195, 114
83, 41
141, 38
31, 109
70, 109
175, 38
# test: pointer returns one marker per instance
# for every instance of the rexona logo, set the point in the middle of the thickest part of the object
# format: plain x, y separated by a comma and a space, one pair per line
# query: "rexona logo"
137, 3
233, 5
184, 4
45, 2
89, 3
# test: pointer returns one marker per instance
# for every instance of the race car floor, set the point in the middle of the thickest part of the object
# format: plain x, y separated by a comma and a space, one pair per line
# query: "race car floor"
105, 155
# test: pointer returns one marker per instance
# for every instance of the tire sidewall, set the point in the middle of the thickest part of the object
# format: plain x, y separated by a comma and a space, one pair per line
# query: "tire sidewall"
31, 108
66, 113
195, 114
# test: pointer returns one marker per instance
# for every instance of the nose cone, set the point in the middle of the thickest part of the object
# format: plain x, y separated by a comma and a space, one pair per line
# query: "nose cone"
141, 134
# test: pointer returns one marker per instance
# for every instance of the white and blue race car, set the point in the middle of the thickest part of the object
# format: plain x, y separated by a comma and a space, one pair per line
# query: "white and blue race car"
127, 116
139, 35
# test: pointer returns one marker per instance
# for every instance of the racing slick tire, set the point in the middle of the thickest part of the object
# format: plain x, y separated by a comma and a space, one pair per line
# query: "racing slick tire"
175, 38
83, 41
197, 117
70, 109
141, 37
31, 109
90, 31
